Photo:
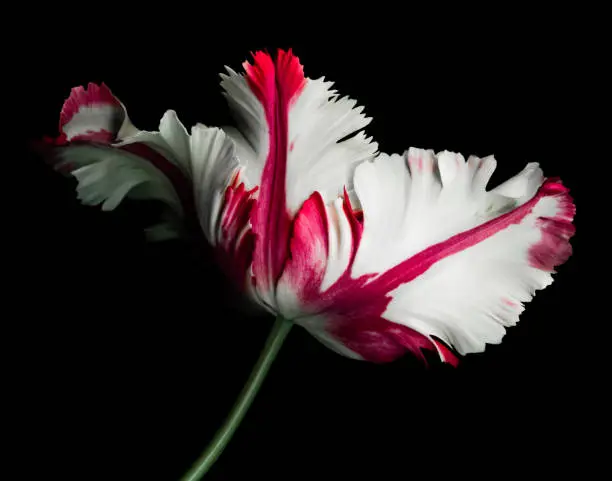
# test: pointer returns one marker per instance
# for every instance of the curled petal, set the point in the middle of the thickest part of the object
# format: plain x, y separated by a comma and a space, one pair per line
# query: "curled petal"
93, 114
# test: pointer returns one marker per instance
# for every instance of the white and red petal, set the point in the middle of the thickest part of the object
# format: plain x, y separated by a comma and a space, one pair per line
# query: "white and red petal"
305, 268
213, 167
91, 114
465, 259
474, 284
224, 204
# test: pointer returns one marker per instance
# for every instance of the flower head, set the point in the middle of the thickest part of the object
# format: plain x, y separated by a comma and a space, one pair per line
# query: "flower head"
373, 254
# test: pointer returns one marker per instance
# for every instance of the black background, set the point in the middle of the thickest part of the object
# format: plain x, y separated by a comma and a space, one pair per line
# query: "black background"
130, 355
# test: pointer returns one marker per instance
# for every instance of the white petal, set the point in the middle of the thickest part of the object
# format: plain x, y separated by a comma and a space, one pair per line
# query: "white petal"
252, 133
171, 141
106, 175
213, 164
173, 132
523, 185
317, 161
245, 153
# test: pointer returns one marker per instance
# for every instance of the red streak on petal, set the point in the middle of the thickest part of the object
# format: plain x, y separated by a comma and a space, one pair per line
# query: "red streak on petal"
235, 249
276, 85
446, 354
305, 268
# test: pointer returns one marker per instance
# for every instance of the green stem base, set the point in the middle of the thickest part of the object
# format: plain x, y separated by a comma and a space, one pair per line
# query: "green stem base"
274, 342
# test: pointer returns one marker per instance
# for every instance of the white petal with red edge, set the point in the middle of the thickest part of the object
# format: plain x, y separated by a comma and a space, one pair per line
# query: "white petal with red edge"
475, 256
92, 113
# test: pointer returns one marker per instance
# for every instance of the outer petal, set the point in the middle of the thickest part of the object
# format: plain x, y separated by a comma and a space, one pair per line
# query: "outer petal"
107, 175
111, 159
213, 165
459, 262
289, 128
171, 141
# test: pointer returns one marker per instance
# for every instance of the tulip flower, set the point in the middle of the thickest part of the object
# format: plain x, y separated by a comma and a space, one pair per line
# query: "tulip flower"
375, 255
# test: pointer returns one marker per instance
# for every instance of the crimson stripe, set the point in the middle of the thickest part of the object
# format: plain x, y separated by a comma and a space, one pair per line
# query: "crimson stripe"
275, 85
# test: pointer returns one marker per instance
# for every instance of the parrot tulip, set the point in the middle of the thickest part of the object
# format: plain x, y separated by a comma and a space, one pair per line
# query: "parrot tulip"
373, 254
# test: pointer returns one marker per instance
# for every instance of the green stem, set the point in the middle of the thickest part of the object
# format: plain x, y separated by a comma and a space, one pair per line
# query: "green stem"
222, 437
